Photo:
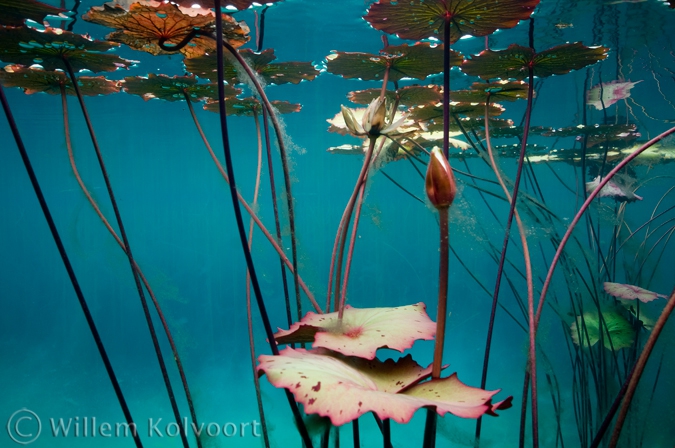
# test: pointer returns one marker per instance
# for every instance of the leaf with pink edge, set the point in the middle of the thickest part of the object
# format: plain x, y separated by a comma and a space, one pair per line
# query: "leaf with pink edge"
343, 388
612, 190
607, 93
631, 292
362, 331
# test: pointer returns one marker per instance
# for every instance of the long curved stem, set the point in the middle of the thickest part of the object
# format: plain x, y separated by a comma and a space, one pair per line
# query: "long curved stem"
252, 213
69, 267
132, 263
158, 308
240, 223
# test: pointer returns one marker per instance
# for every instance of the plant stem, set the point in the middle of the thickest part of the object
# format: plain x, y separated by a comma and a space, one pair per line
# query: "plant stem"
132, 263
69, 268
441, 313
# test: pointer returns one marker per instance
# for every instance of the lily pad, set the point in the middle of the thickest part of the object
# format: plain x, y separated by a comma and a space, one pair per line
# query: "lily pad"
344, 388
405, 96
52, 47
14, 12
142, 27
362, 331
425, 113
607, 93
33, 80
404, 61
515, 61
420, 19
617, 334
250, 106
173, 88
261, 63
237, 4
631, 292
612, 190
494, 91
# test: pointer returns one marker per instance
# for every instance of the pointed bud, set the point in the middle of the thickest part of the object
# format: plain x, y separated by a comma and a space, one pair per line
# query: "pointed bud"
440, 182
351, 123
374, 118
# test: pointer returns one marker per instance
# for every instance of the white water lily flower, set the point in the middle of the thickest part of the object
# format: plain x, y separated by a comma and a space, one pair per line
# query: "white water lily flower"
373, 123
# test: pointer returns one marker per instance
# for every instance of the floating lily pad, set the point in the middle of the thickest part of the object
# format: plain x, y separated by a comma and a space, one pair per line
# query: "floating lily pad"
426, 113
513, 131
261, 63
599, 130
420, 19
173, 88
53, 46
515, 61
405, 96
618, 333
344, 388
404, 61
631, 292
494, 91
14, 12
143, 26
33, 80
251, 106
238, 4
362, 331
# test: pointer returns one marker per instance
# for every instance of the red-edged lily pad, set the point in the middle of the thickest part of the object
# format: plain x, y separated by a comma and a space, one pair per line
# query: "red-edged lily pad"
419, 19
515, 61
607, 93
362, 331
33, 80
405, 96
403, 61
344, 388
143, 26
175, 88
250, 107
631, 292
261, 63
52, 47
14, 12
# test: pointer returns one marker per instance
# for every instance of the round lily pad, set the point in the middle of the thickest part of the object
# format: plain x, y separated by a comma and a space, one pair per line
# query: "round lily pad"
33, 80
173, 88
406, 96
251, 106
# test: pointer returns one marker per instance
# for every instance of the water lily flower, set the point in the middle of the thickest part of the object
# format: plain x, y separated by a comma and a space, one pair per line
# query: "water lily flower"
374, 121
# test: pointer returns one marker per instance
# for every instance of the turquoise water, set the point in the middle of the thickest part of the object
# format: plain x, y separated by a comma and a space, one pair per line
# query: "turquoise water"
180, 224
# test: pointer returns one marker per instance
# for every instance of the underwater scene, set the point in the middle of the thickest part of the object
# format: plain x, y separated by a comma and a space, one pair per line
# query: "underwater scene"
355, 223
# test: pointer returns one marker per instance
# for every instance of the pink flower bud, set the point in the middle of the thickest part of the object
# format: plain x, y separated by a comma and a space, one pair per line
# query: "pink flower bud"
440, 182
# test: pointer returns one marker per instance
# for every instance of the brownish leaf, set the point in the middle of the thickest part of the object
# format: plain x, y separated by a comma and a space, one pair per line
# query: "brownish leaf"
405, 96
404, 61
261, 63
420, 19
515, 61
33, 80
52, 47
174, 88
238, 4
249, 107
144, 26
14, 12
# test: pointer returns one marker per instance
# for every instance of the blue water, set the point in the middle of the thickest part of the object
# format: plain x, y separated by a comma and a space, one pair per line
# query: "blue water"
180, 223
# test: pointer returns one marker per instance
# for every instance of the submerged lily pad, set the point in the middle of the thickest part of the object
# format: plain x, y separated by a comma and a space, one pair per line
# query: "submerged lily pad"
362, 331
33, 80
607, 93
174, 88
625, 291
617, 332
143, 26
515, 61
403, 61
261, 63
405, 96
344, 388
250, 106
14, 12
494, 91
612, 190
52, 47
425, 113
420, 19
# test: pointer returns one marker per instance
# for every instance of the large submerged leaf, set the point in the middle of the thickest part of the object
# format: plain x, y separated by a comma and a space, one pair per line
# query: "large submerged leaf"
143, 26
14, 12
631, 292
174, 88
404, 61
419, 19
261, 63
617, 332
52, 47
33, 80
344, 388
362, 331
515, 61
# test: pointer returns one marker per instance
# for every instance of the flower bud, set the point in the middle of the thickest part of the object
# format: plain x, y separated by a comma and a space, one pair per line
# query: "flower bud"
440, 182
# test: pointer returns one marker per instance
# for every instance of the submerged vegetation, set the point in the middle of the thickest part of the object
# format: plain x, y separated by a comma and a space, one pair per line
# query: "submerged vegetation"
584, 272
